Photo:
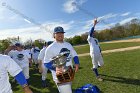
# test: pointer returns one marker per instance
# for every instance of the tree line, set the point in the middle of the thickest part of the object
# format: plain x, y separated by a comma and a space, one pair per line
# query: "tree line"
131, 28
27, 44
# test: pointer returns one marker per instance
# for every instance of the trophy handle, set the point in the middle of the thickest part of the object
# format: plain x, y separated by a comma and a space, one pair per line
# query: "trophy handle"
67, 76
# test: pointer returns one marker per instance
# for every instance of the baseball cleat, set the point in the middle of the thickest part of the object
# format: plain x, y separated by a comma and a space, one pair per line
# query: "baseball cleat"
99, 78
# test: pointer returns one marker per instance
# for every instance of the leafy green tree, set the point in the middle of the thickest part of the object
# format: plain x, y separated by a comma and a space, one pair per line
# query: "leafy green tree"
69, 40
84, 38
39, 43
76, 40
4, 44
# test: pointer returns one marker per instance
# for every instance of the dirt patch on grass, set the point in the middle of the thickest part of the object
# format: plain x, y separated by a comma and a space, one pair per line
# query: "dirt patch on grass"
114, 50
115, 41
129, 40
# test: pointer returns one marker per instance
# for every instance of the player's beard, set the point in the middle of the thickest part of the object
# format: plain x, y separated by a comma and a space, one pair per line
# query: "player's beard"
60, 39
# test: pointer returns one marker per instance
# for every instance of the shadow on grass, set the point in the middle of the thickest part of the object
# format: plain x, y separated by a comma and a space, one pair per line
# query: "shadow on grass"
14, 85
79, 67
36, 83
121, 80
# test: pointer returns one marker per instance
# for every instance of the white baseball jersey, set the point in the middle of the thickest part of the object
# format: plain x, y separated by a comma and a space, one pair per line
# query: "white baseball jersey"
94, 46
35, 53
41, 57
11, 53
7, 65
42, 54
21, 58
95, 52
29, 51
56, 48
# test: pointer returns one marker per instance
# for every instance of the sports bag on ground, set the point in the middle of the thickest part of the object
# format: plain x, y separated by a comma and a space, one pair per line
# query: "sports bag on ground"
88, 88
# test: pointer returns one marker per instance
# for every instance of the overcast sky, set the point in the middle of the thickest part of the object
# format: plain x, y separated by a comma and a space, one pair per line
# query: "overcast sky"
35, 19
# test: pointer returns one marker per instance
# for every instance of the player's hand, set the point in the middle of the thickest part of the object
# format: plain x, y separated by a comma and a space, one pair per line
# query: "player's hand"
11, 47
40, 69
95, 21
59, 70
27, 90
76, 67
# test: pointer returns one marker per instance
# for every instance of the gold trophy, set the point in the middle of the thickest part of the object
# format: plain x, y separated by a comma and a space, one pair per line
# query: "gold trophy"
67, 74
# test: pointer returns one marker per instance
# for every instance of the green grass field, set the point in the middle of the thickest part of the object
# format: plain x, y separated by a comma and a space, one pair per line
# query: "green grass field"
106, 46
121, 74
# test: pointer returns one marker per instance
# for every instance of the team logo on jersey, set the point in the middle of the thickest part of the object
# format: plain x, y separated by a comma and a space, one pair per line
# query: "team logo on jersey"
96, 42
36, 50
20, 56
66, 53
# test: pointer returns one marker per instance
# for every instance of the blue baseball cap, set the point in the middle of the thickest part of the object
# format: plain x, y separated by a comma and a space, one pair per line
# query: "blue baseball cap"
17, 44
59, 29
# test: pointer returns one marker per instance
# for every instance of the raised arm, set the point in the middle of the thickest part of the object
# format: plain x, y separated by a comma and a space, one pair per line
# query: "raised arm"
8, 50
92, 29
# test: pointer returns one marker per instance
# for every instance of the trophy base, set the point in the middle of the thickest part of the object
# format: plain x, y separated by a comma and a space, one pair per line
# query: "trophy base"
67, 76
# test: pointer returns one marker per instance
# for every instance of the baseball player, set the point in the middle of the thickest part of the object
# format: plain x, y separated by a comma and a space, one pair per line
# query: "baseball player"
35, 52
42, 69
95, 51
28, 49
22, 58
7, 64
57, 47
